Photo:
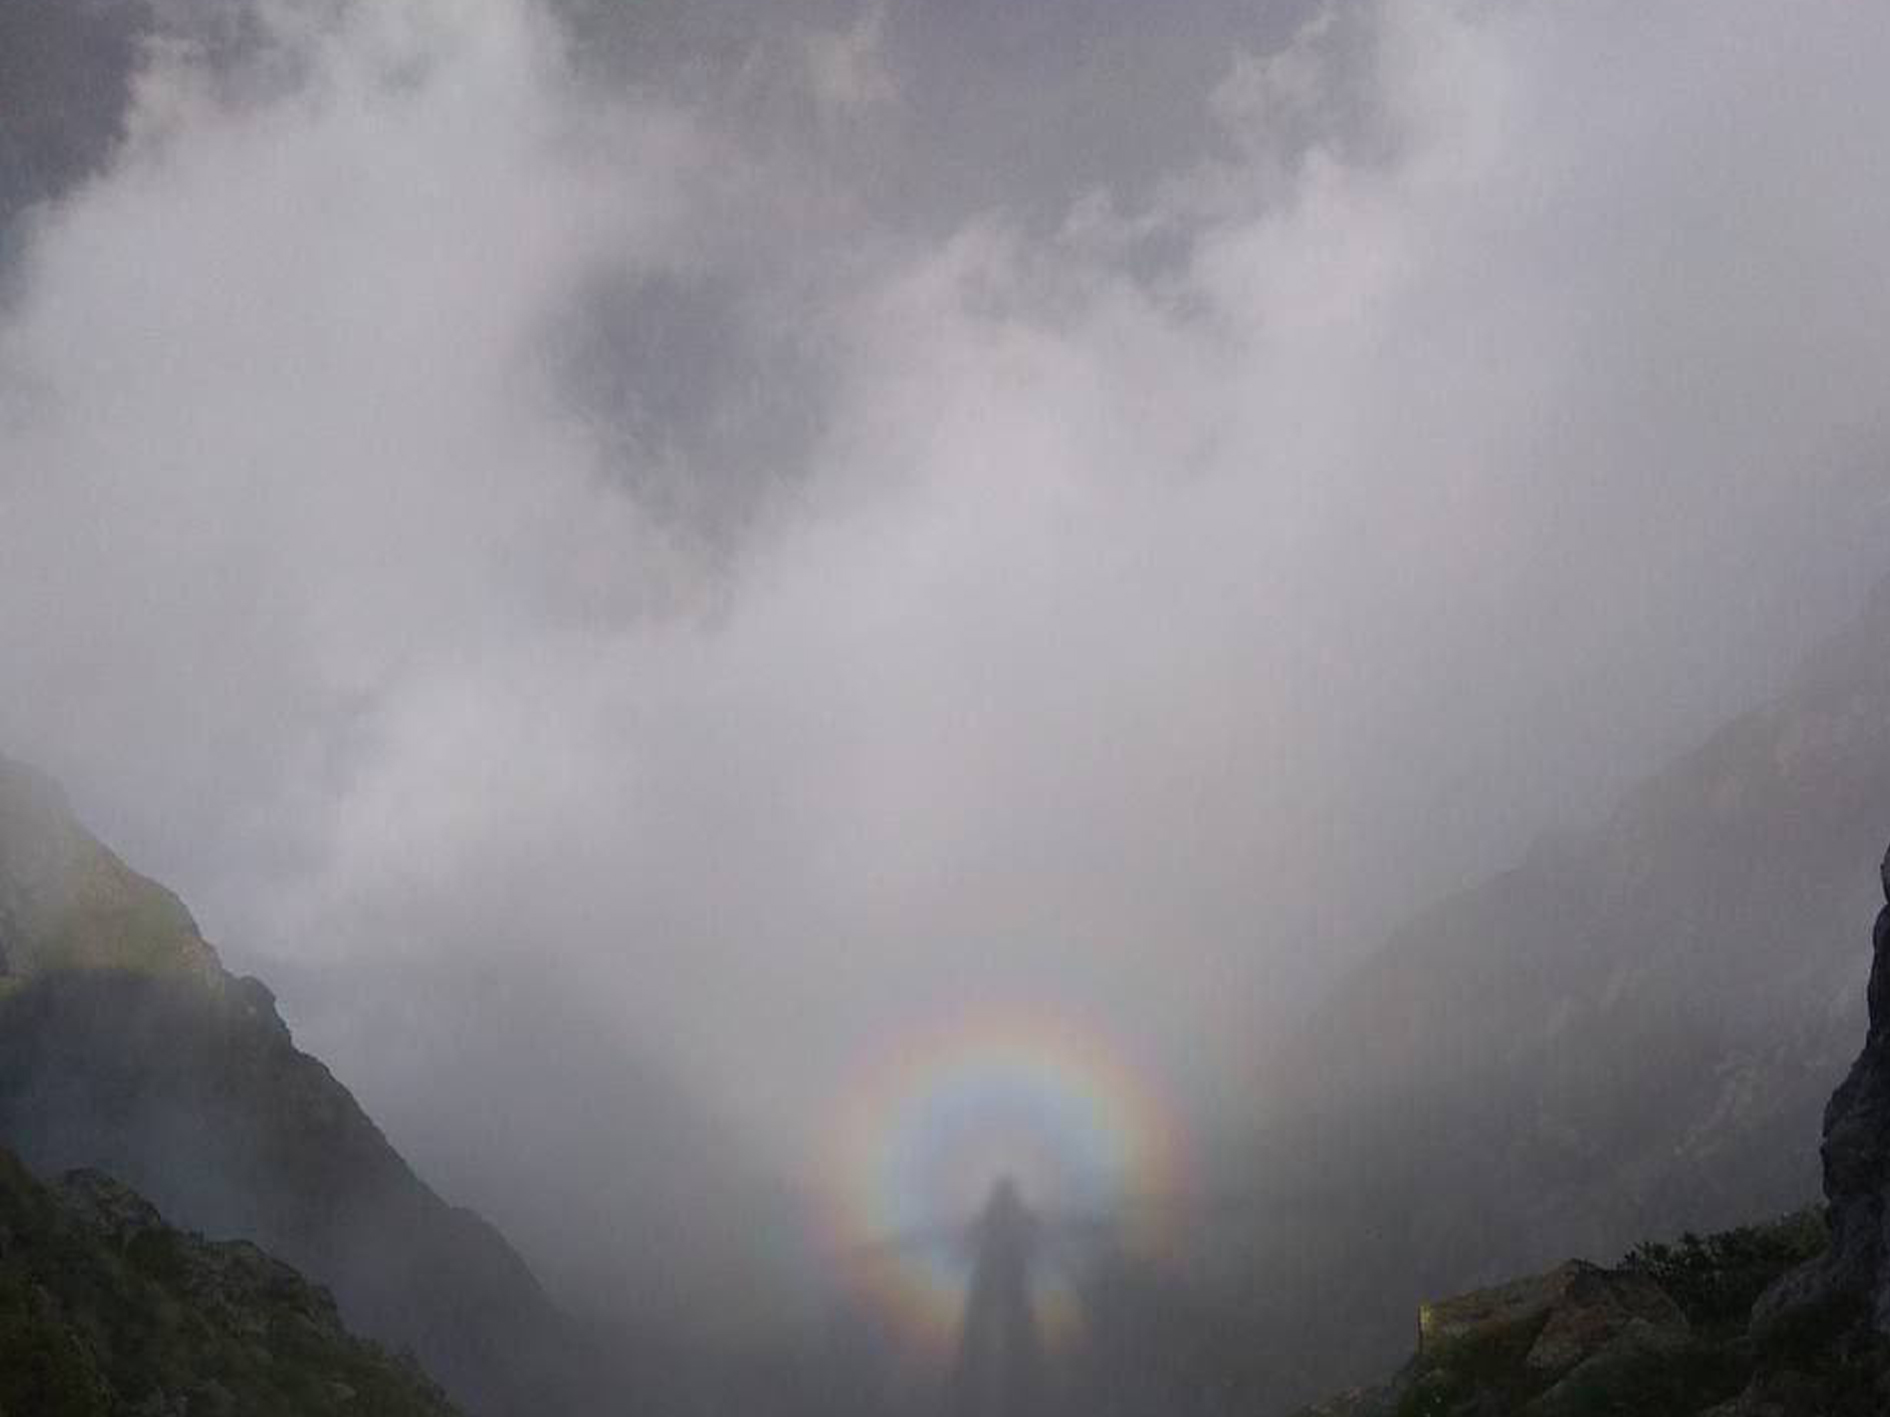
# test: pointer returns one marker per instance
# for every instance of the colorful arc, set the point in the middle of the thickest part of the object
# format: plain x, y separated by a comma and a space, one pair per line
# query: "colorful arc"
1034, 1096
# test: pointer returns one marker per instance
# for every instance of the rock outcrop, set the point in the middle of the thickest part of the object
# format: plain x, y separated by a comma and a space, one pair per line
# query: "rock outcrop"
1663, 1332
1544, 1340
1857, 1151
1779, 1321
1573, 1313
106, 1309
66, 902
125, 1046
1853, 1276
1631, 1033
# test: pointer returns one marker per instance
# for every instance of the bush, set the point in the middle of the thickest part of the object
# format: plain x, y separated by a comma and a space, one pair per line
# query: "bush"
1716, 1279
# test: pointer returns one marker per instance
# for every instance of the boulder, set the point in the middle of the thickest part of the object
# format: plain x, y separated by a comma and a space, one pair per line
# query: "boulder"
1601, 1310
1564, 1317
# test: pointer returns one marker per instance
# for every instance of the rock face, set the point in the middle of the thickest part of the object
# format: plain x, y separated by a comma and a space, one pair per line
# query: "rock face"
1632, 1033
1784, 1320
1558, 1334
1663, 1332
104, 1308
1854, 1274
125, 1046
1857, 1152
68, 903
1575, 1311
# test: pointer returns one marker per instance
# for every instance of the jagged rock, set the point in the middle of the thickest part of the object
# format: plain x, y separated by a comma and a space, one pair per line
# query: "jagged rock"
105, 1308
1483, 1312
1675, 1330
1613, 1362
1568, 1315
1857, 1146
125, 1046
1631, 1034
1856, 1152
1543, 1346
1603, 1310
108, 1206
66, 902
1662, 1333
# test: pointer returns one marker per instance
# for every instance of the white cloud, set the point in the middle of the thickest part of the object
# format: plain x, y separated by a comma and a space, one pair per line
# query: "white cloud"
1165, 602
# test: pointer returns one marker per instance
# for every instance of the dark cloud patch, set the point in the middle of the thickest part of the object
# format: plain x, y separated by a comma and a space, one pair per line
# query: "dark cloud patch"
65, 69
1026, 107
991, 107
703, 413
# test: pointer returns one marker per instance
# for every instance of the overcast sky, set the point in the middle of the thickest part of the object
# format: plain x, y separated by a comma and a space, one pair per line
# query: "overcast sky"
779, 523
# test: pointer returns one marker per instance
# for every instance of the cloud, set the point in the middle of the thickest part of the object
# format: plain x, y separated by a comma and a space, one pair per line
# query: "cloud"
846, 68
458, 512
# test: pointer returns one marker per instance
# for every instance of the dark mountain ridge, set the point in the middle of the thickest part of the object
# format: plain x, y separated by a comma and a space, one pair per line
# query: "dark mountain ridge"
126, 1047
105, 1309
1789, 1319
1632, 1032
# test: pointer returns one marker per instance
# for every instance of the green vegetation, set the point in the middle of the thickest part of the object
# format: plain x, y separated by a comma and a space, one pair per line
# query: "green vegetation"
1665, 1334
1716, 1280
68, 903
125, 1044
104, 1309
1477, 1368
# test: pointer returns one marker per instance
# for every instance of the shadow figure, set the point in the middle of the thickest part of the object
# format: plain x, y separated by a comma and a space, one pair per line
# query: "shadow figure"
999, 1371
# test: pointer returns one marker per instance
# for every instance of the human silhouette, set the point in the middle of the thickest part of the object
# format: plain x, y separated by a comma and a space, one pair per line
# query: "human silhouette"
999, 1369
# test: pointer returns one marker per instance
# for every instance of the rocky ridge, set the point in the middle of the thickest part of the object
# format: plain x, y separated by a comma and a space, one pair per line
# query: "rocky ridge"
1856, 1156
1631, 1032
106, 1309
126, 1047
1784, 1320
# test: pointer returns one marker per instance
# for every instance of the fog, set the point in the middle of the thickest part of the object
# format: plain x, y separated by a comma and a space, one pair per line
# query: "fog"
632, 559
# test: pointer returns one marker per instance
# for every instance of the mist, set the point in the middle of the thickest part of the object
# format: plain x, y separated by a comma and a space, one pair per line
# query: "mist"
633, 560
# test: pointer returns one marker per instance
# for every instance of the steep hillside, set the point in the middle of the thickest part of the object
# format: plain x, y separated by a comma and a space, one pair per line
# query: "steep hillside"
125, 1046
1630, 1033
105, 1309
1667, 1332
1786, 1320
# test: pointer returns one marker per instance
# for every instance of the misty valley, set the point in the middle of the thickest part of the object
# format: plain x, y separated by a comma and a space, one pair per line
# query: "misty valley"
925, 708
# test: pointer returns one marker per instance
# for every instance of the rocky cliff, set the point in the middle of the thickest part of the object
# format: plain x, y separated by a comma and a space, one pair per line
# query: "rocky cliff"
125, 1046
106, 1309
1857, 1153
1786, 1320
1851, 1281
1629, 1033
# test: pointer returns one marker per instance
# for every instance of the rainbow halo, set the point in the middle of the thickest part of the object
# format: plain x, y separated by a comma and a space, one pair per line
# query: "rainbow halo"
937, 1120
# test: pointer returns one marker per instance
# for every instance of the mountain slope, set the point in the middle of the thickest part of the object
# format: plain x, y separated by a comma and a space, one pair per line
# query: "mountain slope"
106, 1309
1666, 1333
1630, 1033
1778, 1321
125, 1046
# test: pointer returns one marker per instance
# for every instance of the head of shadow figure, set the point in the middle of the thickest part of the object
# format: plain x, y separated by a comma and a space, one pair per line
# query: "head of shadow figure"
999, 1369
